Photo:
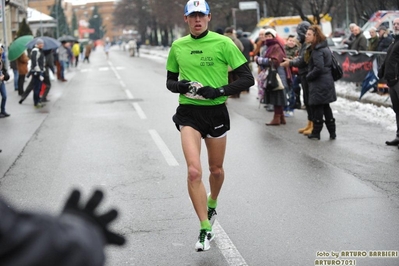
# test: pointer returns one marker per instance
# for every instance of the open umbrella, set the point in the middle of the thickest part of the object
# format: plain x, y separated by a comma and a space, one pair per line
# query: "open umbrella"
67, 38
369, 82
49, 43
18, 47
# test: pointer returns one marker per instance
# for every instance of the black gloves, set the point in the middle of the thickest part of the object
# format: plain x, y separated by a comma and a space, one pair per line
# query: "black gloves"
183, 86
209, 92
88, 211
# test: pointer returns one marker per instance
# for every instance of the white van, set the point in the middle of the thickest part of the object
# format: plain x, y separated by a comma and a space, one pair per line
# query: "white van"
380, 18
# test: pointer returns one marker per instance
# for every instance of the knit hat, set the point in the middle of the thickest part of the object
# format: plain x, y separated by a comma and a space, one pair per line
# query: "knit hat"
382, 28
271, 31
39, 41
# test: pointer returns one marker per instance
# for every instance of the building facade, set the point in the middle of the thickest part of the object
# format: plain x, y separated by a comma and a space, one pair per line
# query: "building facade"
83, 10
14, 12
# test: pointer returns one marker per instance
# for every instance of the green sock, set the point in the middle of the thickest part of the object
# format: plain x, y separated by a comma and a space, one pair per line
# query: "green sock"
212, 203
206, 225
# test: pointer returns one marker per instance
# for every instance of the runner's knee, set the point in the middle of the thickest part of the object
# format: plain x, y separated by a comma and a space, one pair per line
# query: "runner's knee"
216, 171
194, 174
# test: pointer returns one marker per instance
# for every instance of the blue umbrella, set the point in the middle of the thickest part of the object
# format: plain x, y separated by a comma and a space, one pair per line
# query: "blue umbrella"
369, 81
49, 43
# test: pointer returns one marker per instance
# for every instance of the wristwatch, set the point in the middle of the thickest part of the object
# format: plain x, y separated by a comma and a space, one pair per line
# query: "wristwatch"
221, 90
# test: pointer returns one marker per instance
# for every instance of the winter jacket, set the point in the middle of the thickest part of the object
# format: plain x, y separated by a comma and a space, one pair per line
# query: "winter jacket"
384, 42
248, 46
37, 60
390, 68
299, 62
22, 64
62, 54
359, 43
372, 43
76, 49
319, 77
4, 71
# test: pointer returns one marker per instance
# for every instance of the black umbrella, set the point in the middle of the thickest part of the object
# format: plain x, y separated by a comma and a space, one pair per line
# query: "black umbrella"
67, 38
49, 43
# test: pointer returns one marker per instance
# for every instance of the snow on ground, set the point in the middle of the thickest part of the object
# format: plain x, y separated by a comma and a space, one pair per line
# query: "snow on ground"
384, 116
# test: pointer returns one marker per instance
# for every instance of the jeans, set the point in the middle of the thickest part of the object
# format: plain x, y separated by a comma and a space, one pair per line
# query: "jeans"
3, 93
63, 67
290, 99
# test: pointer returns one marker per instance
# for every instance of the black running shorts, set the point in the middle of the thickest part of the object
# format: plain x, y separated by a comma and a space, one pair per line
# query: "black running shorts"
210, 121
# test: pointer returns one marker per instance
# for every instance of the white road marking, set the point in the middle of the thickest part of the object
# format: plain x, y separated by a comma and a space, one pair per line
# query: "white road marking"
129, 94
226, 246
139, 111
103, 69
167, 154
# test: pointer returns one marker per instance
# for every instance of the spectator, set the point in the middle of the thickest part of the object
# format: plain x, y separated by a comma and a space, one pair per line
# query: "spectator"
359, 42
292, 47
4, 76
389, 71
321, 83
348, 41
76, 52
87, 52
37, 74
273, 57
22, 65
49, 66
385, 39
302, 65
63, 59
373, 40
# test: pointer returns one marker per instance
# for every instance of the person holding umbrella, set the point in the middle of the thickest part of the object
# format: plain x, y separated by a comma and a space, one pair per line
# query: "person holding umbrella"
22, 66
37, 72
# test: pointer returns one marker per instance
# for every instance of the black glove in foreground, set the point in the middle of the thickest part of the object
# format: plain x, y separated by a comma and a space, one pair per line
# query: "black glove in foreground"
88, 212
184, 86
209, 92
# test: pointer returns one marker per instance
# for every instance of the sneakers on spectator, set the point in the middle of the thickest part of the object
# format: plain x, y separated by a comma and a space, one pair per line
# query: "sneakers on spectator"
204, 239
288, 113
212, 215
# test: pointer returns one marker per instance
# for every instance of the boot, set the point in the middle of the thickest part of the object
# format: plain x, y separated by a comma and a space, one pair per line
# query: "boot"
282, 119
276, 121
309, 130
331, 128
317, 127
301, 130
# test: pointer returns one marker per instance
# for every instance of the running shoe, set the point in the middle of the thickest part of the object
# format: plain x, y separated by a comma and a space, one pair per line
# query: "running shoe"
204, 239
212, 215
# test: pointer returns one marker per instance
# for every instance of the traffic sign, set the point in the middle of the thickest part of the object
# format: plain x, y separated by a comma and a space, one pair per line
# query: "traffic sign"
248, 5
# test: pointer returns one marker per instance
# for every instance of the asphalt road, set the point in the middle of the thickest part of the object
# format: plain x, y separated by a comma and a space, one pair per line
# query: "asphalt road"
286, 200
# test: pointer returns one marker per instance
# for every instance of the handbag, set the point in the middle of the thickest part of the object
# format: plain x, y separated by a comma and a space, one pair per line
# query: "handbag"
273, 80
336, 69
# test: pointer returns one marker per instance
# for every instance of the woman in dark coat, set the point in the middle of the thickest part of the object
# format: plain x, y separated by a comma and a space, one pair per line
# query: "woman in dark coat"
321, 83
274, 54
